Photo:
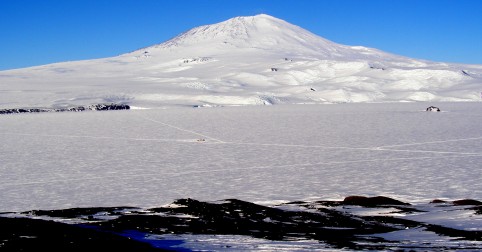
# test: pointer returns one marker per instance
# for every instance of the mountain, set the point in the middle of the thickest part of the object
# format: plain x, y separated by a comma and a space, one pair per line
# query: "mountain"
242, 61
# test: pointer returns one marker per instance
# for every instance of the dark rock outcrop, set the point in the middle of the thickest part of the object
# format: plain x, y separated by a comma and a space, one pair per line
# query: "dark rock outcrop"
23, 110
372, 201
433, 109
438, 201
111, 106
329, 222
25, 234
467, 202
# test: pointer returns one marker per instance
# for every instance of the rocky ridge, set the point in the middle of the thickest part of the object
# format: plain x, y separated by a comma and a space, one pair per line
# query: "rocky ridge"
357, 223
98, 107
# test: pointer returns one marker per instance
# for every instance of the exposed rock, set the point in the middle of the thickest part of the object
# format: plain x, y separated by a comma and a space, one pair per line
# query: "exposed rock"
467, 202
330, 225
111, 106
372, 201
478, 210
438, 201
76, 212
433, 109
25, 234
22, 110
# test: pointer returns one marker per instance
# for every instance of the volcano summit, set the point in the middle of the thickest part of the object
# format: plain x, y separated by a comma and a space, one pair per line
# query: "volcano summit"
242, 61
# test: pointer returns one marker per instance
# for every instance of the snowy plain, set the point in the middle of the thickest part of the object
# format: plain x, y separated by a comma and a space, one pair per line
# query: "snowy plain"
264, 154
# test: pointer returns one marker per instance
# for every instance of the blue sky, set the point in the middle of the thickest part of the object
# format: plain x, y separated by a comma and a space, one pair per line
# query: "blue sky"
34, 32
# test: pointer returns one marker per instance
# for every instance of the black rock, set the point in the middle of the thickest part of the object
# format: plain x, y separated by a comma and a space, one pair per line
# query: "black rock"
24, 234
133, 229
432, 108
111, 106
372, 201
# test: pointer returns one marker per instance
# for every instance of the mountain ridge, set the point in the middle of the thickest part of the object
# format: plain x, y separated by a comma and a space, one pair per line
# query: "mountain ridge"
250, 60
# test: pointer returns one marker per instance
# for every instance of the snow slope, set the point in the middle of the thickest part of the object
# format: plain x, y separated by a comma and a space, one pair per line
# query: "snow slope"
241, 61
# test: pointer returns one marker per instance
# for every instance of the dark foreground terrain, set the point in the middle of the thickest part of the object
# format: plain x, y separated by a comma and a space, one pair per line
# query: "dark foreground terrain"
356, 223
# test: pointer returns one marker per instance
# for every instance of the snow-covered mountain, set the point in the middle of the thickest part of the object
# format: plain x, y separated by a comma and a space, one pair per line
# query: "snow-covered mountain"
241, 61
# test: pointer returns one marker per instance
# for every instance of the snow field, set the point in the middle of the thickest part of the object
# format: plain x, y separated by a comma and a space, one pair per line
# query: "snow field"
260, 154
